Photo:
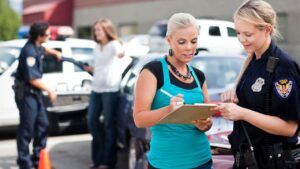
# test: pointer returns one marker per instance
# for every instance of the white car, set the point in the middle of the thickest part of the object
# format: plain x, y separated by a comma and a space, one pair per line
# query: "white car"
136, 45
71, 83
216, 37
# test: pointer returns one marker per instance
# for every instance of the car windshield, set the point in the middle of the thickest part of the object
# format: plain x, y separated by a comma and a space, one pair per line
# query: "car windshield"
84, 55
7, 57
79, 50
158, 30
219, 72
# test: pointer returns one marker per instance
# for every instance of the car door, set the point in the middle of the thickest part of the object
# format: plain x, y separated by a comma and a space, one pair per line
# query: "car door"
71, 84
9, 114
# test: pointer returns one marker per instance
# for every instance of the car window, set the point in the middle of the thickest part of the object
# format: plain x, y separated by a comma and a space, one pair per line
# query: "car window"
6, 59
51, 65
214, 31
79, 51
219, 72
158, 30
84, 55
231, 32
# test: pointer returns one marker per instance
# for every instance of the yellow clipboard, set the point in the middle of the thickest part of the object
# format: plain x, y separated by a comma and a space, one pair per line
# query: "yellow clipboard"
186, 113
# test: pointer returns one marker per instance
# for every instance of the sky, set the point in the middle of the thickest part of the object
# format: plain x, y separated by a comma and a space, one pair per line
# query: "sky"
16, 5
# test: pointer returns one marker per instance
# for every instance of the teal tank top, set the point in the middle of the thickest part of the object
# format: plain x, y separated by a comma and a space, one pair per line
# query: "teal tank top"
177, 146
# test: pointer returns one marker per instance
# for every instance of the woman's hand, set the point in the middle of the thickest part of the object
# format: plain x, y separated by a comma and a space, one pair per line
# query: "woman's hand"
176, 101
121, 55
88, 68
203, 125
229, 96
230, 111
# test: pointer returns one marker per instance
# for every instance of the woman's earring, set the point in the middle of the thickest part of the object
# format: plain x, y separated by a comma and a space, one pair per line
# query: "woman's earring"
197, 51
170, 52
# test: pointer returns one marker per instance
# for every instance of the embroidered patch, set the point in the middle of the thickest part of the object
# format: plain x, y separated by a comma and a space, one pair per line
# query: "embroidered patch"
257, 86
284, 87
30, 61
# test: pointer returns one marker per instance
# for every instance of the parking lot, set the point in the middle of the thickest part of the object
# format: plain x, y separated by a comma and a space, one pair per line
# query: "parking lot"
68, 151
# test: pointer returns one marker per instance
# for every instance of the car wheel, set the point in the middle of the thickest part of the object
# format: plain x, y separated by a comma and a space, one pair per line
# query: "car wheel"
53, 123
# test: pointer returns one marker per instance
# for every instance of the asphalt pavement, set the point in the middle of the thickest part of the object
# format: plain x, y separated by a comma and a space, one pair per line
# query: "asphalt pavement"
66, 152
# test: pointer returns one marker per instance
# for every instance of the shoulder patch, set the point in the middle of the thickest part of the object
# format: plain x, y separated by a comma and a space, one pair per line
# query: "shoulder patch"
30, 61
283, 87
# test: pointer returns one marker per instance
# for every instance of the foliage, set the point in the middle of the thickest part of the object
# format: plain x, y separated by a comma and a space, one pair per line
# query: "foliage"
9, 22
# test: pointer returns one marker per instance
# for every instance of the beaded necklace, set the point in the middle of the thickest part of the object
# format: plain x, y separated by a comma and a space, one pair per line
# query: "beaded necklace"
174, 69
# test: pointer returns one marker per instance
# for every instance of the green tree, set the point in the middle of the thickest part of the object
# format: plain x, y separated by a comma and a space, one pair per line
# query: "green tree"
9, 22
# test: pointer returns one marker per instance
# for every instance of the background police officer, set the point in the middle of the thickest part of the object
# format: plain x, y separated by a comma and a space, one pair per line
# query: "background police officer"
28, 96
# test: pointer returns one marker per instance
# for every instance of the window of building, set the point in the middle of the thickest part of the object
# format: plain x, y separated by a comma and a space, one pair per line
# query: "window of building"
84, 32
214, 31
127, 29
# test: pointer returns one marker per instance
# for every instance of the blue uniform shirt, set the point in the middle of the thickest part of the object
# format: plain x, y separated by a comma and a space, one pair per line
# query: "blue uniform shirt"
30, 63
285, 96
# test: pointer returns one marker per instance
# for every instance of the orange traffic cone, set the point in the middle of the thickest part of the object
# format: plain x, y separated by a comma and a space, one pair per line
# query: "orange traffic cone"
44, 162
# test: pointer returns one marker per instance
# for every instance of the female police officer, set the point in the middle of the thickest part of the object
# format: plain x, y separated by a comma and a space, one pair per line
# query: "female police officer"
267, 95
174, 145
28, 96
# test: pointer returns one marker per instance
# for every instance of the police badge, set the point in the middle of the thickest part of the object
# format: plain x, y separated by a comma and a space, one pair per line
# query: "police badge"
257, 86
284, 87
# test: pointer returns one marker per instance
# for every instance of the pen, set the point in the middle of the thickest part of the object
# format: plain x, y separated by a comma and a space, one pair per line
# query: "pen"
170, 95
166, 93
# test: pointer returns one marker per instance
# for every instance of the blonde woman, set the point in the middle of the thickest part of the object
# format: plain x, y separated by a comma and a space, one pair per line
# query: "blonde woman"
266, 101
176, 146
104, 96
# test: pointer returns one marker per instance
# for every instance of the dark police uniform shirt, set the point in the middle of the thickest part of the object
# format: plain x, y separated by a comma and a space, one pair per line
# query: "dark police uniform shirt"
30, 63
285, 88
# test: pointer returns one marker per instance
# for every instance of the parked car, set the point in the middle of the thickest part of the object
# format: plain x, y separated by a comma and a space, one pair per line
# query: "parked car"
135, 45
220, 72
72, 84
216, 36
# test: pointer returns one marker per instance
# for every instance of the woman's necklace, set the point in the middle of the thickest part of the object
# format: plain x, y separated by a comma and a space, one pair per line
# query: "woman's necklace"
174, 69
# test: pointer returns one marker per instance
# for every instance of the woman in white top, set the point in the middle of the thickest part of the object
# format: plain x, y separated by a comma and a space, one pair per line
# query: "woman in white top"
104, 96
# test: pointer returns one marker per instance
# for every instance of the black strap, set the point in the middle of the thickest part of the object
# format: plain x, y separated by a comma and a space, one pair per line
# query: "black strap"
271, 66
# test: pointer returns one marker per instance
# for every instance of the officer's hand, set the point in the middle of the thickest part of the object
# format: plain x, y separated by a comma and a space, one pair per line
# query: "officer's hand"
229, 96
52, 96
176, 101
203, 125
230, 111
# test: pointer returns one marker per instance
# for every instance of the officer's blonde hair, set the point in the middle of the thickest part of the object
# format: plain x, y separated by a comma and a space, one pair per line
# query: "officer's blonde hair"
179, 21
261, 14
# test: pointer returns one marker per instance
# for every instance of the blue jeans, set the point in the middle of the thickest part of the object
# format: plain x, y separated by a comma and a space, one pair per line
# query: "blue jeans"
103, 132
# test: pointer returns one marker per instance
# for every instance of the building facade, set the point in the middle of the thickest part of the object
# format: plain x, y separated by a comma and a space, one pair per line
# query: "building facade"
56, 12
137, 16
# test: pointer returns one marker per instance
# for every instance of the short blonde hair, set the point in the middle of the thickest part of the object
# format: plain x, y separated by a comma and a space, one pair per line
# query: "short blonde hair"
260, 13
179, 21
